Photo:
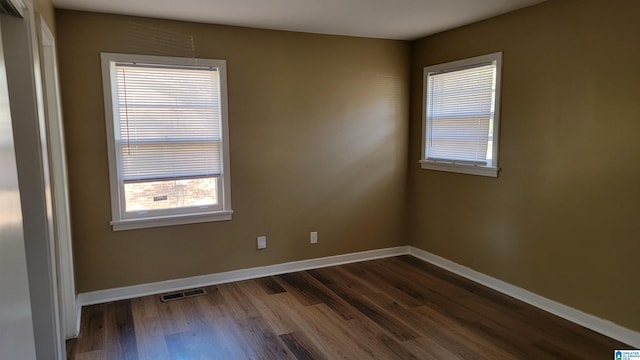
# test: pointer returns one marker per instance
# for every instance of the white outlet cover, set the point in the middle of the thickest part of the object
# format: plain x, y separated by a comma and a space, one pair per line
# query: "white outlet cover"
314, 237
262, 242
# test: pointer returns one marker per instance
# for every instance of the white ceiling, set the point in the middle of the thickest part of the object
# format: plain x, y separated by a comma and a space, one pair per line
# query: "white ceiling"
387, 19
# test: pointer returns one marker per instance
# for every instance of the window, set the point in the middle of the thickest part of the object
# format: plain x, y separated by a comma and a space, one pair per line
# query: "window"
461, 113
168, 140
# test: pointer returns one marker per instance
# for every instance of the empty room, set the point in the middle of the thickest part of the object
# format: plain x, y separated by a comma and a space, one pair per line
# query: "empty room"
303, 179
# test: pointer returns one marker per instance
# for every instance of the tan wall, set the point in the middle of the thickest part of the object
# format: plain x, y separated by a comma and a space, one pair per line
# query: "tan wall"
318, 134
562, 218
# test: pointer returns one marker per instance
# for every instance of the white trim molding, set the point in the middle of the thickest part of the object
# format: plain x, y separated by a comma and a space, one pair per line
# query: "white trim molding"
59, 182
604, 327
142, 223
594, 323
129, 292
457, 168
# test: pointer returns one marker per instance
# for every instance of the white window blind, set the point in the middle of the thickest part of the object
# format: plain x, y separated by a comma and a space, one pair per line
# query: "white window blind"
169, 122
459, 115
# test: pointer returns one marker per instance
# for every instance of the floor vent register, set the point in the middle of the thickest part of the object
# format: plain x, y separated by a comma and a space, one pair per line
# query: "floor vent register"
182, 295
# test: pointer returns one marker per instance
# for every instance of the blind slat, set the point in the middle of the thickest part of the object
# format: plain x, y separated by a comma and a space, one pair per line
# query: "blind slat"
460, 109
170, 160
169, 122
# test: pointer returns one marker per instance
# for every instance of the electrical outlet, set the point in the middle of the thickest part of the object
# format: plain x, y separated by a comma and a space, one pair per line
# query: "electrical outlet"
314, 237
262, 242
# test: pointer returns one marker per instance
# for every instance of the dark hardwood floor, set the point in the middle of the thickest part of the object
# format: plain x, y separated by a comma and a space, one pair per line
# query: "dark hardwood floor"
395, 308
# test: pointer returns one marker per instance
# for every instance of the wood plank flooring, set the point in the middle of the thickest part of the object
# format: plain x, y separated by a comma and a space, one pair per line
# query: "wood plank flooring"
395, 308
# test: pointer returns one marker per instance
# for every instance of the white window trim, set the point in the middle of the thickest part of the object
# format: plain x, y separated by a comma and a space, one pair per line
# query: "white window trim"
472, 169
192, 218
120, 222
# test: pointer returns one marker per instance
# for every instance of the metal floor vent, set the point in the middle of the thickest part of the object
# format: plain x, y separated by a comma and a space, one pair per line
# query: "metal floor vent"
182, 295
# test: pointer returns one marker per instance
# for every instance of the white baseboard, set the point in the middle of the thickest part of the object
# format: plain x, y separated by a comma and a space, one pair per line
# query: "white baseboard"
594, 323
78, 316
129, 292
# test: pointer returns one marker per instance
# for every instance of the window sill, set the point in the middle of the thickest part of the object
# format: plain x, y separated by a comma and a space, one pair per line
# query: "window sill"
149, 222
459, 168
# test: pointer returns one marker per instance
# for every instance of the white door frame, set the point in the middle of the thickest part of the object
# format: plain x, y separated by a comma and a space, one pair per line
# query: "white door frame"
59, 183
22, 59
